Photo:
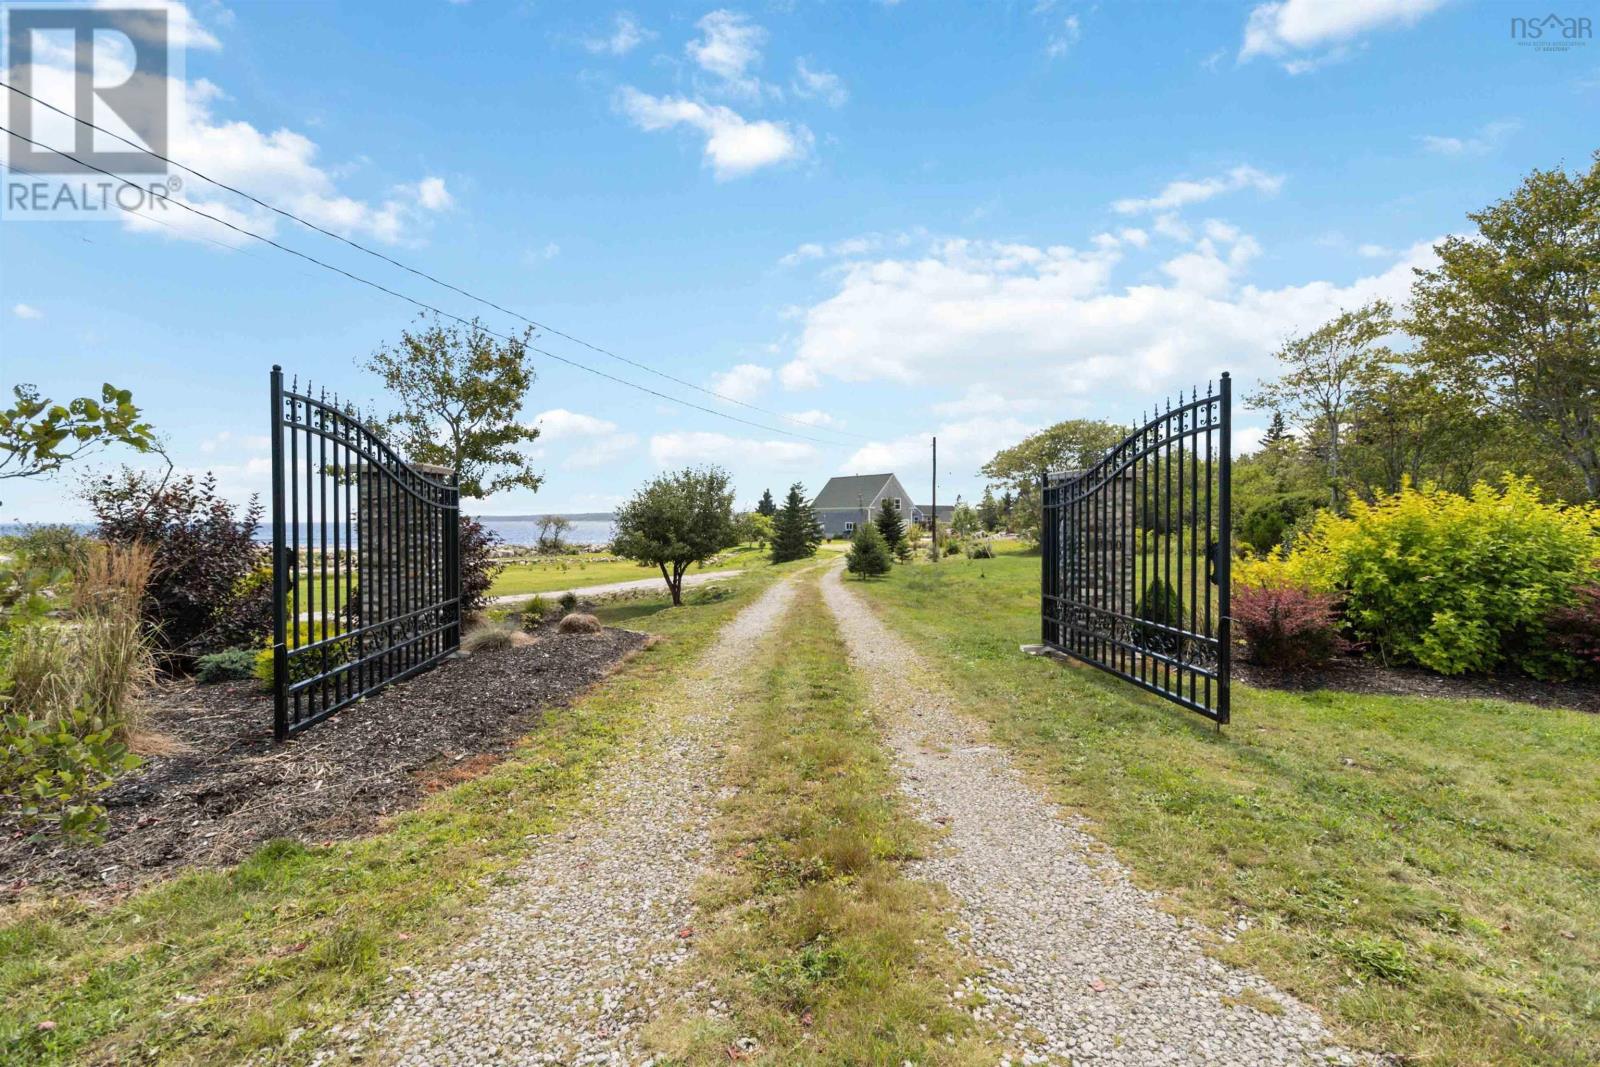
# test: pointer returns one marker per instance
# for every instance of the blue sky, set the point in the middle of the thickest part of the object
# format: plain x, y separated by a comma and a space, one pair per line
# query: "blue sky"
885, 220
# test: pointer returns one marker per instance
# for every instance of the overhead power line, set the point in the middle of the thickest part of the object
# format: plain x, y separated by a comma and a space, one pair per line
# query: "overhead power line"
411, 299
419, 273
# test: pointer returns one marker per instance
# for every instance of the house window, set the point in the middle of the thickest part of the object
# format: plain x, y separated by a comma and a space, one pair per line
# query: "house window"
849, 527
897, 503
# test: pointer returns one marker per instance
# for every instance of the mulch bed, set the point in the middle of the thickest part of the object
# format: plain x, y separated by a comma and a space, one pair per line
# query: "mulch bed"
1353, 675
233, 788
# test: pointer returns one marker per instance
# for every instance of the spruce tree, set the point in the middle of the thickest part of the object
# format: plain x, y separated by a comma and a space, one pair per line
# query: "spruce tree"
795, 529
869, 553
988, 510
766, 506
891, 526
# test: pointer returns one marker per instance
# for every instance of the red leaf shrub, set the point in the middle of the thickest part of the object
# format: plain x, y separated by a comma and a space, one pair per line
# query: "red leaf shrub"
1287, 627
478, 565
1575, 630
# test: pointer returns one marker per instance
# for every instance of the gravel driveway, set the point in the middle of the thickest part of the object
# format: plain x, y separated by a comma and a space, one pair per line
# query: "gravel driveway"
566, 967
1083, 963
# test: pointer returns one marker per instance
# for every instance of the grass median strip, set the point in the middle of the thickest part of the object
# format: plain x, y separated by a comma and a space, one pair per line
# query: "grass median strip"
257, 961
819, 946
1424, 871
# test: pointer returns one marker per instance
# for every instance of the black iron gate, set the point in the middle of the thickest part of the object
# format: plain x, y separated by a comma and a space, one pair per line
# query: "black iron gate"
365, 560
1136, 556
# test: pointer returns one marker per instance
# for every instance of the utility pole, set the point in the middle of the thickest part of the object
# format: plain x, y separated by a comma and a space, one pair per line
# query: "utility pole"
934, 517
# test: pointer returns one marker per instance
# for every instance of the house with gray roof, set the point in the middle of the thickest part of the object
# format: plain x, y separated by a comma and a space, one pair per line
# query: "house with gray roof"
846, 503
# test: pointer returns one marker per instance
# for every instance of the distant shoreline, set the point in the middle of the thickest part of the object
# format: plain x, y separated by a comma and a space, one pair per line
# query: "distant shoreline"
575, 516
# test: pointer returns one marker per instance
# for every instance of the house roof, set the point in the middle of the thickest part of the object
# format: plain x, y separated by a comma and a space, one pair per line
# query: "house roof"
855, 491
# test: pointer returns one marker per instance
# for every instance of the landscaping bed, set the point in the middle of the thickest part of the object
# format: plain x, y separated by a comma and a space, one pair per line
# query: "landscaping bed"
1352, 675
226, 787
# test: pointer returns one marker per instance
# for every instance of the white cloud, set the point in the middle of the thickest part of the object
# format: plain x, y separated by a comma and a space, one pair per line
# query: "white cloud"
536, 256
26, 311
1181, 193
965, 314
815, 417
1306, 34
626, 35
1060, 41
1374, 251
819, 84
700, 446
734, 146
729, 45
743, 382
963, 446
848, 248
592, 441
433, 196
281, 164
1486, 140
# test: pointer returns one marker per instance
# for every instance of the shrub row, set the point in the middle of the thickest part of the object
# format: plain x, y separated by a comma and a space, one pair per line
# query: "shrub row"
1493, 580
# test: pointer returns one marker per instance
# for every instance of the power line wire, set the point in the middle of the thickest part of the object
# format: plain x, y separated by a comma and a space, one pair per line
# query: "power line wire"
420, 273
411, 299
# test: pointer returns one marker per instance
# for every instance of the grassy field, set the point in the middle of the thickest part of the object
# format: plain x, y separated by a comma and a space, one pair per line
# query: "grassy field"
822, 950
1427, 872
571, 572
552, 573
255, 962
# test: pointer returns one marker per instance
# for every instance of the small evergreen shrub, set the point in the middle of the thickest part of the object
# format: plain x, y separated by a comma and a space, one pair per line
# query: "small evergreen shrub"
1265, 525
1160, 605
568, 602
231, 665
1287, 627
869, 553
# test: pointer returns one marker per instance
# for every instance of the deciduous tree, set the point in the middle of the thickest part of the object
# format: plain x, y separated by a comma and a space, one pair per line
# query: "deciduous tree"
1321, 371
38, 437
676, 521
1071, 445
461, 390
1511, 316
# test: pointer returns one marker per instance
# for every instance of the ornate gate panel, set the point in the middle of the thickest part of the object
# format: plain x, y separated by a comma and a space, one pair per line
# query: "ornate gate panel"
1136, 556
365, 561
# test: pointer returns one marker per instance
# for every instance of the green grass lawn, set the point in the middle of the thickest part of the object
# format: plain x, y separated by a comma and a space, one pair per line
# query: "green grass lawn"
1426, 872
548, 574
571, 572
254, 963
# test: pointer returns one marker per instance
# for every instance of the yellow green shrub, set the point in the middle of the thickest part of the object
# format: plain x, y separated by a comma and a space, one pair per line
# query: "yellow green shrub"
308, 665
1453, 583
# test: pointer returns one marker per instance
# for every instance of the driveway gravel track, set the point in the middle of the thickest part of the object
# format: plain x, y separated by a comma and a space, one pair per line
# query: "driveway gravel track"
567, 966
1082, 963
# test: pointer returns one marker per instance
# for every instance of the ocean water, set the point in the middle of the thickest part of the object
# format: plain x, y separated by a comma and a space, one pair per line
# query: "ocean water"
511, 531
